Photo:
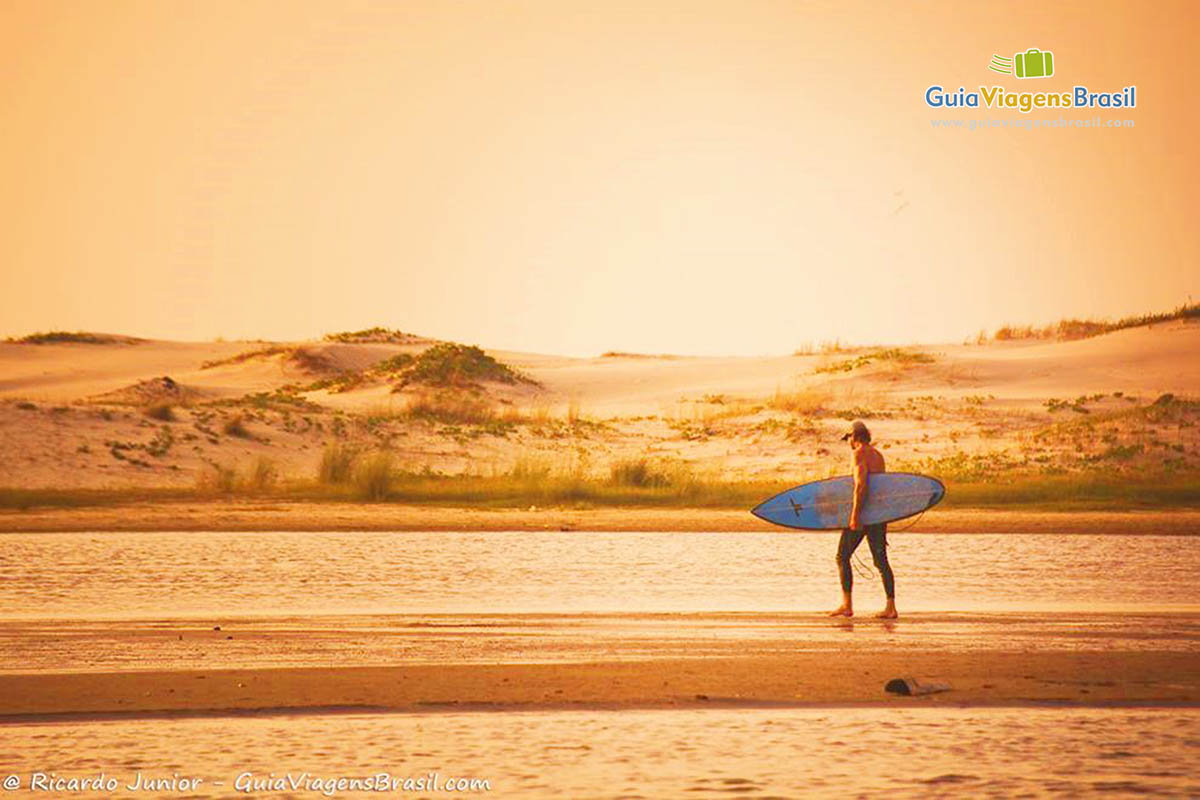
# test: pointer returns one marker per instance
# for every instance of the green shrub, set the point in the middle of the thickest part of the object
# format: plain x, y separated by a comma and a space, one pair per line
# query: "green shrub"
895, 354
336, 384
450, 364
397, 363
66, 337
377, 335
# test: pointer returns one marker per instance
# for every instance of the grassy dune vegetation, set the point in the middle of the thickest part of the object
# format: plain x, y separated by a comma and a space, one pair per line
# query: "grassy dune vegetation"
1068, 329
345, 475
383, 416
72, 337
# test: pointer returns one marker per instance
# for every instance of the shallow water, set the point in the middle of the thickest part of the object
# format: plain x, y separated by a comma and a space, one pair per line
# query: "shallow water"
757, 753
139, 601
176, 575
131, 601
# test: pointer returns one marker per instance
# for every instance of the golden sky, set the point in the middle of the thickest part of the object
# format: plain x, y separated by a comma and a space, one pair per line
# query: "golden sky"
571, 177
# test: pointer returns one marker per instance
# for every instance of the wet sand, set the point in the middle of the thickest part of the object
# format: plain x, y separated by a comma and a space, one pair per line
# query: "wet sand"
291, 516
800, 679
622, 661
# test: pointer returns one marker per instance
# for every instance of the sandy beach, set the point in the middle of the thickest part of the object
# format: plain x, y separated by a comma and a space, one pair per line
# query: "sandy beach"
145, 622
742, 675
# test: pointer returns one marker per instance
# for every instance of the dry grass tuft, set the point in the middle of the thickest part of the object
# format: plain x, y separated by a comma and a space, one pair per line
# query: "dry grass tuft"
217, 479
264, 475
574, 411
641, 473
262, 352
162, 412
337, 464
714, 407
808, 402
894, 355
451, 408
1069, 329
373, 478
236, 426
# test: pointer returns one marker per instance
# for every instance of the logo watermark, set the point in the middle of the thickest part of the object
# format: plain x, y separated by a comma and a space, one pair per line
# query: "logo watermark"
999, 97
1031, 63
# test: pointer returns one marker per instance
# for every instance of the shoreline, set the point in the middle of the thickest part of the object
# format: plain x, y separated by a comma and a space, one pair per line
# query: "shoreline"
797, 680
496, 708
262, 515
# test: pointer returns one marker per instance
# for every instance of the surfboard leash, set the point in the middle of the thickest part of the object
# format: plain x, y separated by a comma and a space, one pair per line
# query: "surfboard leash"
862, 569
911, 524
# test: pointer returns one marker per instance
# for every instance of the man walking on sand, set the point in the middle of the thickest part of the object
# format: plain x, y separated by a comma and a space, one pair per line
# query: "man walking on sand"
866, 460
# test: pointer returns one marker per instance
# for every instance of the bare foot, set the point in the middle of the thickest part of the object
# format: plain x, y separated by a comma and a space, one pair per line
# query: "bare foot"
888, 613
842, 611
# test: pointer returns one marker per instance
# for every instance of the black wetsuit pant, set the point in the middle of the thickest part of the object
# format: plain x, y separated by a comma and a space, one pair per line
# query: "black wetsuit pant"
877, 539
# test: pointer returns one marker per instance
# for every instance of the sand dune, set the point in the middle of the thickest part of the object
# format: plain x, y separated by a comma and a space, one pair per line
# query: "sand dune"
1142, 360
63, 406
1148, 360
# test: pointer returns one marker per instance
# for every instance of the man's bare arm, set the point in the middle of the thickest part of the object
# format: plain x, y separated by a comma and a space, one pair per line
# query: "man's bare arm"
860, 487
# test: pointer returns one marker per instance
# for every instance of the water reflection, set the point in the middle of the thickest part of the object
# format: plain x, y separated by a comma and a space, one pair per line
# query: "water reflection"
653, 754
168, 575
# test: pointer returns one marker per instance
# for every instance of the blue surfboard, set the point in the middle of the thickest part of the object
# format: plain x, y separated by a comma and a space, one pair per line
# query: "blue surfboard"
825, 505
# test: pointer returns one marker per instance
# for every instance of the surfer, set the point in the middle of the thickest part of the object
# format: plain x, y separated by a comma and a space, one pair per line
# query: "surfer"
866, 460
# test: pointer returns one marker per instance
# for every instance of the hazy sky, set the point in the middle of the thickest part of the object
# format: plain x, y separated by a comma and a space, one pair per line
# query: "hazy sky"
575, 177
